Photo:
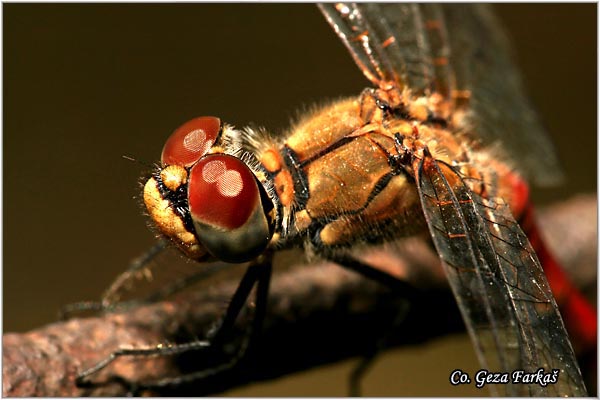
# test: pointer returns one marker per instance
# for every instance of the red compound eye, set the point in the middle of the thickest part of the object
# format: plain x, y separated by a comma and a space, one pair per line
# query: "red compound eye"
222, 192
231, 218
191, 141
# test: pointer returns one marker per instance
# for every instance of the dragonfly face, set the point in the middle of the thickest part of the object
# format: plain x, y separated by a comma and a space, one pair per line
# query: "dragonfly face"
208, 201
411, 154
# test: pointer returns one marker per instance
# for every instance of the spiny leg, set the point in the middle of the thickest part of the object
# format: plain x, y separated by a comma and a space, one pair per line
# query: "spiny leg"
258, 272
110, 302
407, 291
261, 275
367, 360
348, 261
107, 302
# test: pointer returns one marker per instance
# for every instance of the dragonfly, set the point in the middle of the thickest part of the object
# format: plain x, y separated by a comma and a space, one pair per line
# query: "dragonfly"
442, 142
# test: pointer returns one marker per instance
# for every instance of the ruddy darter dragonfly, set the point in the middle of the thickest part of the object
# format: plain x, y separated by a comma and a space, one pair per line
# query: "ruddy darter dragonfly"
421, 150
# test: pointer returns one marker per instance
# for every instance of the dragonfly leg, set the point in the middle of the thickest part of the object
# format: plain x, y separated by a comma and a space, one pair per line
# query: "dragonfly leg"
258, 273
360, 370
408, 292
108, 300
348, 261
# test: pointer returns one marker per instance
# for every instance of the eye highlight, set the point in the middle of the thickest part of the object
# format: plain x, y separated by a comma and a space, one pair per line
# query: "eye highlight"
222, 191
229, 182
226, 205
192, 140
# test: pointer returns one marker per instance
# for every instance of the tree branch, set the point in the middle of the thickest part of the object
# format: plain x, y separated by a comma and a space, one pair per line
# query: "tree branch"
317, 314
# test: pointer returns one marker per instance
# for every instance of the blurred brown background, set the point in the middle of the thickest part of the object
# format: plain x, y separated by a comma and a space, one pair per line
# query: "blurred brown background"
86, 84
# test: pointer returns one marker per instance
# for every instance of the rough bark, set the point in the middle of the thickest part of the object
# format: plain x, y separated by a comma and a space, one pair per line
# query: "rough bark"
317, 314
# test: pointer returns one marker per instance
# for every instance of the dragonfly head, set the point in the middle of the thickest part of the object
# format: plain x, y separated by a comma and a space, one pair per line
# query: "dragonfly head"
206, 201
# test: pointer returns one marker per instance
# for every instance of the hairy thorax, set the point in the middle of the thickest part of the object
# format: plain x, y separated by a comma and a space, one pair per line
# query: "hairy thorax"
339, 177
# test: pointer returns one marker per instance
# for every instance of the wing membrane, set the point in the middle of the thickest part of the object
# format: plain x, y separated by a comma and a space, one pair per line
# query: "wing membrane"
394, 44
498, 281
483, 65
459, 51
364, 44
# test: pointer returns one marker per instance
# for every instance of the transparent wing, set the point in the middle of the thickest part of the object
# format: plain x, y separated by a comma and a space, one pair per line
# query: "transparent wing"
400, 44
498, 282
483, 64
459, 51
